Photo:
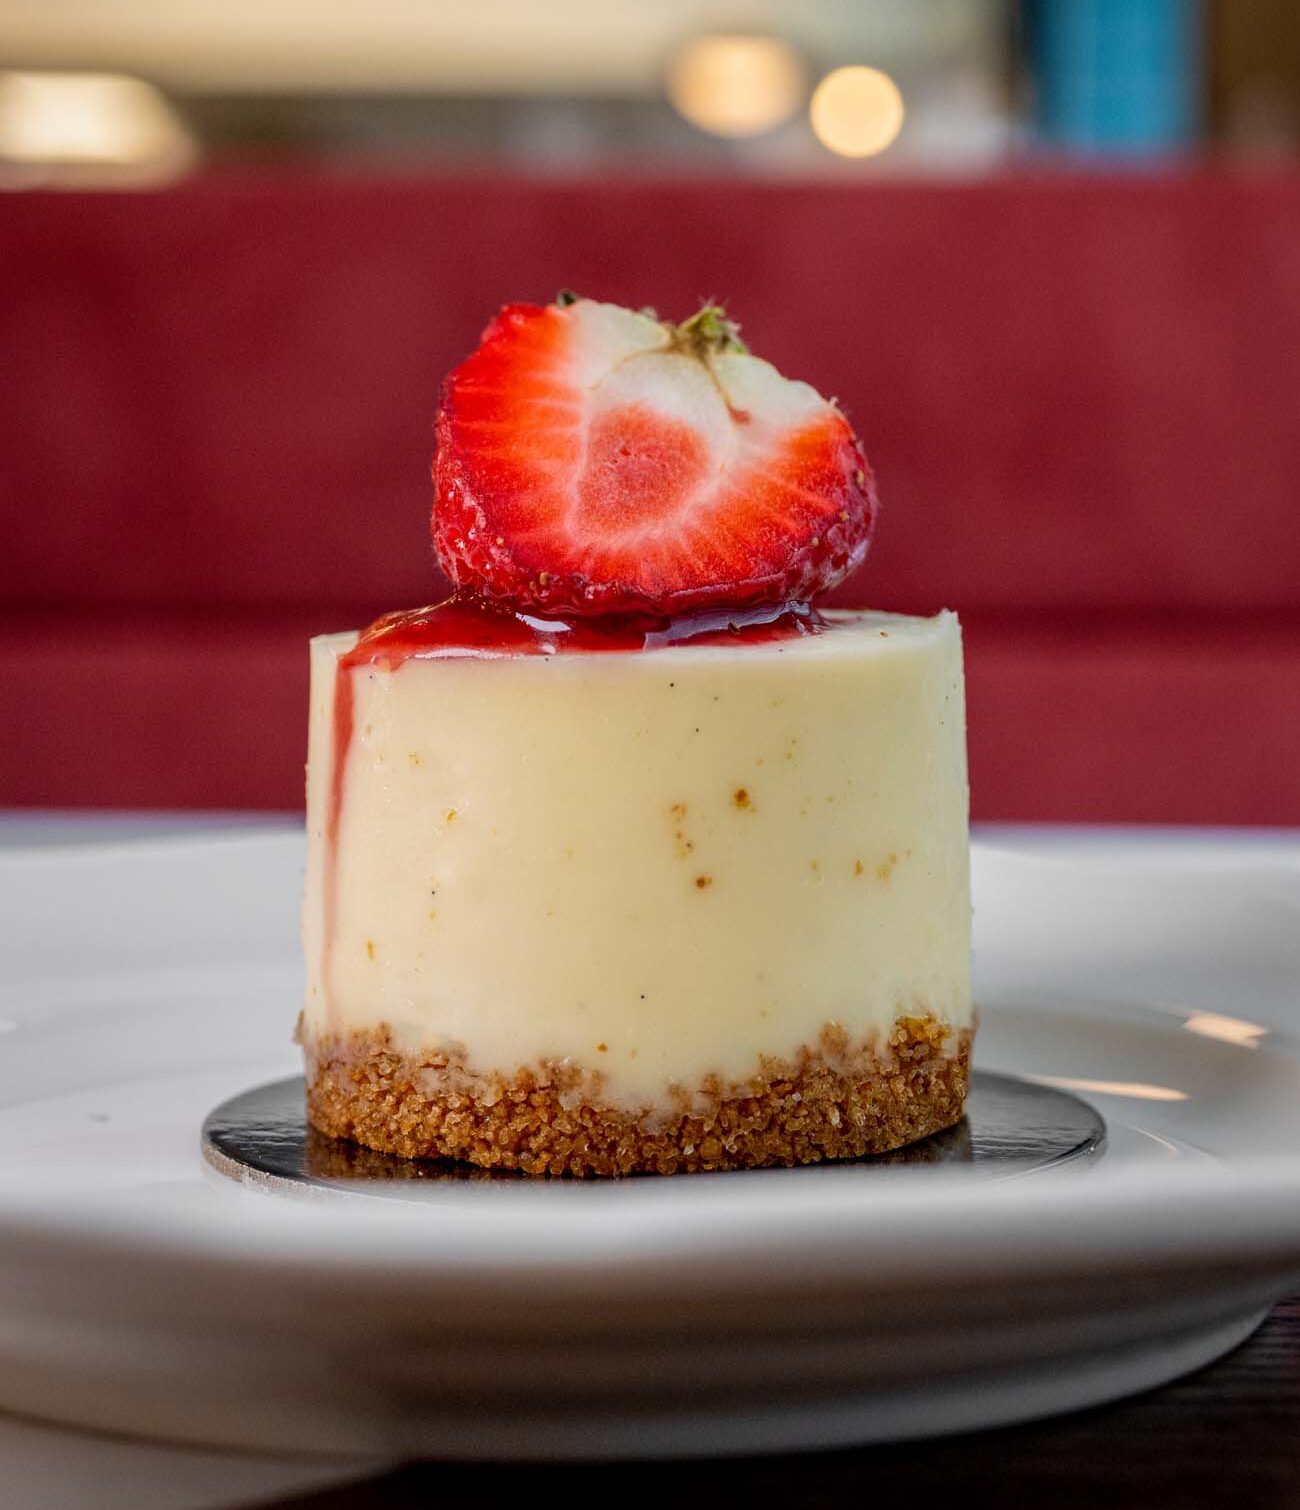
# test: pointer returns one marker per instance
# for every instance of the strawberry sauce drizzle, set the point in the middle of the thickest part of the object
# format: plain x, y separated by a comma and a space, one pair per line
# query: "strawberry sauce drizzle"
469, 626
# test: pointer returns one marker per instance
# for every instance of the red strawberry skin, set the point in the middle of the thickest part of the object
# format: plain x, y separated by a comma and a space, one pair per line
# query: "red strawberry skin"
586, 465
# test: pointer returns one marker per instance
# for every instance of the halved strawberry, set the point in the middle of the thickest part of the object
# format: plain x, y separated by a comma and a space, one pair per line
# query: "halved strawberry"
592, 460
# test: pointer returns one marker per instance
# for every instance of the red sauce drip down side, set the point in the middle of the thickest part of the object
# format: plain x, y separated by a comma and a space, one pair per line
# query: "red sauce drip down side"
466, 625
342, 742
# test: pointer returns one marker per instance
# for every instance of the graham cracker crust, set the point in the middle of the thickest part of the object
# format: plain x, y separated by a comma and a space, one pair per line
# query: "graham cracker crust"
834, 1100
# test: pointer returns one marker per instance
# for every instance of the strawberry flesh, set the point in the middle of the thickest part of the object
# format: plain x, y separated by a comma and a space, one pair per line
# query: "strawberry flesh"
594, 461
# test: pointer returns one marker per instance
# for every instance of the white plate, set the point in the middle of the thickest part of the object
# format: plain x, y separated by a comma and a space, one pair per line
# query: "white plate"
145, 983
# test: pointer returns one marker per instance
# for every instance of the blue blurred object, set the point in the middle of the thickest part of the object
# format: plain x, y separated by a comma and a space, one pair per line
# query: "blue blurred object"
1117, 77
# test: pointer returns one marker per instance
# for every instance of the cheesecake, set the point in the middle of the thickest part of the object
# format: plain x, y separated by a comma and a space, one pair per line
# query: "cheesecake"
636, 891
592, 910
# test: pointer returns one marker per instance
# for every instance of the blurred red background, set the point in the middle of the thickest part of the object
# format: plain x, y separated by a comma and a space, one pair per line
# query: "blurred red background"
1080, 393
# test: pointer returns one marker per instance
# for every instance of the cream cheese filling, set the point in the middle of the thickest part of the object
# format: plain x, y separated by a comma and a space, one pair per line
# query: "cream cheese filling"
655, 865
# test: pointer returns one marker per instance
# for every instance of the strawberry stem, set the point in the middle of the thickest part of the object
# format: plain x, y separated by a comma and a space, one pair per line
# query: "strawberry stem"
708, 333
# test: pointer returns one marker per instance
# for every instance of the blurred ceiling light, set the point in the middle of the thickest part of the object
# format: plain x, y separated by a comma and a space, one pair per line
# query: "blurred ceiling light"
856, 112
735, 85
88, 128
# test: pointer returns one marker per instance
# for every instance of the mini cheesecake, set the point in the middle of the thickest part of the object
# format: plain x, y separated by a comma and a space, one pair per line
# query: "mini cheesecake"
625, 859
596, 904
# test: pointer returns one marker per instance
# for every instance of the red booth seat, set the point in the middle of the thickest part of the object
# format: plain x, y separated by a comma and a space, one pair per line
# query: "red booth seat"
1080, 395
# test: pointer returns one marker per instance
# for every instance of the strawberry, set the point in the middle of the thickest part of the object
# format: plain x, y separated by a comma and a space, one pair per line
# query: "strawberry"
592, 460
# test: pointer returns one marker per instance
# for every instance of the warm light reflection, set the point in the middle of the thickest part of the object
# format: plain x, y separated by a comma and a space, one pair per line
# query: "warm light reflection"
856, 112
1130, 1088
93, 122
1226, 1029
736, 85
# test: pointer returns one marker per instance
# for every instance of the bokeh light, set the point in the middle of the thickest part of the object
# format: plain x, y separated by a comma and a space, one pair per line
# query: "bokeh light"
736, 85
88, 123
856, 111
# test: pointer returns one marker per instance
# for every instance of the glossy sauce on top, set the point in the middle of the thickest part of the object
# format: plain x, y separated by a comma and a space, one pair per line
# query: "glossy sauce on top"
468, 625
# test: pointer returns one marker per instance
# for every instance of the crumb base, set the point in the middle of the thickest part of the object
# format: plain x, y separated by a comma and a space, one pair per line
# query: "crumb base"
834, 1100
